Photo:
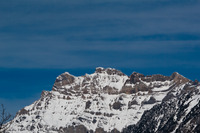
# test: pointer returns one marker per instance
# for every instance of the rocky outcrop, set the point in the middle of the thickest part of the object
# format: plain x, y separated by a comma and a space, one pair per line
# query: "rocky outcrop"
109, 71
176, 77
135, 77
62, 80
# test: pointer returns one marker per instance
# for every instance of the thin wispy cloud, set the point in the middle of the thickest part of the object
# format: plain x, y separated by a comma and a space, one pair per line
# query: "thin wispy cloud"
67, 34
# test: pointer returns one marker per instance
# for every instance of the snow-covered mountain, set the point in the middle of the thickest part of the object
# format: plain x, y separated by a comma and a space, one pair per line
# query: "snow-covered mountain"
110, 101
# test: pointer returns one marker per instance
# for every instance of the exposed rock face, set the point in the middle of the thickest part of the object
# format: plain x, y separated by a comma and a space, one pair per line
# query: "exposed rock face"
178, 113
135, 77
178, 78
63, 79
109, 71
109, 101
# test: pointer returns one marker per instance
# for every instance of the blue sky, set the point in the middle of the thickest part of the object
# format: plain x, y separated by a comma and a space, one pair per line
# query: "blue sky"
39, 39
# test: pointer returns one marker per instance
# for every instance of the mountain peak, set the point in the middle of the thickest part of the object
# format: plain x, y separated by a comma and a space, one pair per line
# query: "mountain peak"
109, 101
136, 74
109, 71
176, 77
63, 79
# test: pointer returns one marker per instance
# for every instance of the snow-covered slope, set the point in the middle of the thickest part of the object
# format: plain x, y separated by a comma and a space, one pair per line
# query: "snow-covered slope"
105, 101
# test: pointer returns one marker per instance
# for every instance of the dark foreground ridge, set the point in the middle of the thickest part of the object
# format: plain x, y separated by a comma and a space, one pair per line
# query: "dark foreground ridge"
108, 101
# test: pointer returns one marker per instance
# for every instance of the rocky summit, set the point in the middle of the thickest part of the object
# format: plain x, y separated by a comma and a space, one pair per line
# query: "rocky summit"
108, 101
